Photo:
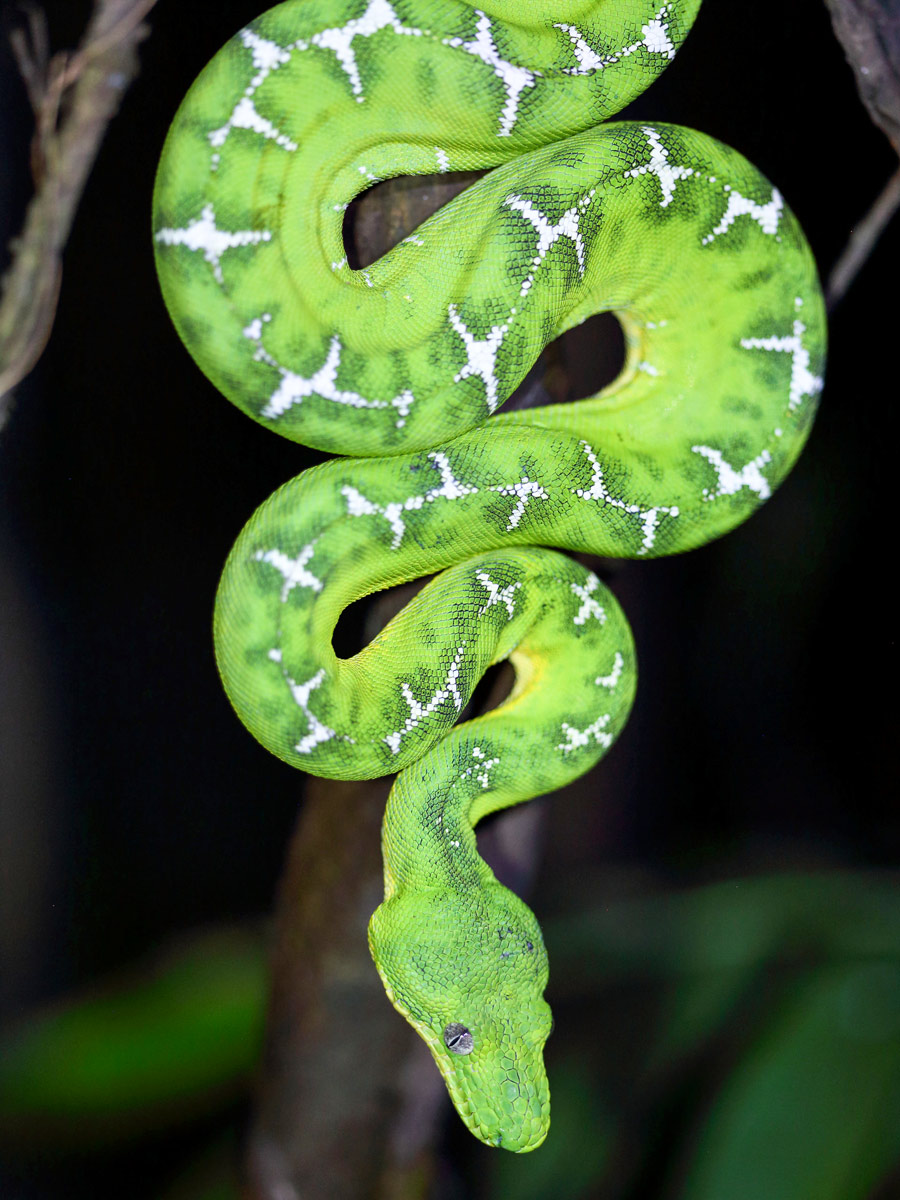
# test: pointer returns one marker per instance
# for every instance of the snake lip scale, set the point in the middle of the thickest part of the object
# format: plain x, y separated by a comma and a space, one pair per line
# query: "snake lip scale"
402, 369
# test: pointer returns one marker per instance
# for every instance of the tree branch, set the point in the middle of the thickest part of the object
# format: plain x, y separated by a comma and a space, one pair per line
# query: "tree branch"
346, 1107
862, 241
869, 31
334, 1046
74, 97
349, 1098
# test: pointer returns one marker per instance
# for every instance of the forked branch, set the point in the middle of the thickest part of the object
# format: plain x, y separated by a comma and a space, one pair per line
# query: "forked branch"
74, 96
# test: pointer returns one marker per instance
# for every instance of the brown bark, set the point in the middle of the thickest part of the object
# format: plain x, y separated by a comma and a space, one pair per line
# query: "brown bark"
333, 1069
348, 1098
74, 97
869, 31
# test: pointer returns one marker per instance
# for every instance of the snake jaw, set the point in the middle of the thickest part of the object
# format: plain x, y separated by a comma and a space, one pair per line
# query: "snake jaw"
503, 1105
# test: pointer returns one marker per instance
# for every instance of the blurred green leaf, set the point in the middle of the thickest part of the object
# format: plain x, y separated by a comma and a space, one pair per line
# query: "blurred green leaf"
213, 1175
710, 945
725, 925
813, 1110
693, 1010
173, 1040
177, 1040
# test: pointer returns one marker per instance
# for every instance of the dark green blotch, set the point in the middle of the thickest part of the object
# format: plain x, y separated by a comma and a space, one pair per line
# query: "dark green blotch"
426, 80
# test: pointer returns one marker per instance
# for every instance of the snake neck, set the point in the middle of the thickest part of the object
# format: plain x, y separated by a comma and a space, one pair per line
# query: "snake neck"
458, 952
428, 839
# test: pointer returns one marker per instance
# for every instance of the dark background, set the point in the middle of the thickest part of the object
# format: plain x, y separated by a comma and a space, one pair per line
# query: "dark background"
765, 731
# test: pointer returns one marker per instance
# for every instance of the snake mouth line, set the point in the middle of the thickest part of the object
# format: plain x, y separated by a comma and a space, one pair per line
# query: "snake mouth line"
488, 1132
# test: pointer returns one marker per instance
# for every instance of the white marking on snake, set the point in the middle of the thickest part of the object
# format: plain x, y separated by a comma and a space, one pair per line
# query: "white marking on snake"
443, 159
203, 234
514, 79
523, 491
267, 57
610, 681
403, 403
649, 517
730, 480
589, 606
588, 58
654, 39
245, 116
481, 768
497, 594
293, 569
359, 505
803, 382
318, 731
481, 355
450, 488
659, 165
294, 388
378, 15
448, 690
548, 234
766, 216
576, 739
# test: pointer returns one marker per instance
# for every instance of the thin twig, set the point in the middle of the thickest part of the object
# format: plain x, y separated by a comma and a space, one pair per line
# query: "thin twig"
74, 97
32, 62
123, 27
862, 241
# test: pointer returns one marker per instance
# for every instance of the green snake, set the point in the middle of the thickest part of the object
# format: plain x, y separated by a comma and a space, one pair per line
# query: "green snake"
403, 365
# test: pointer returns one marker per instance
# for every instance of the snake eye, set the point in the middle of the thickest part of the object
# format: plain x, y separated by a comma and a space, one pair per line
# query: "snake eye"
458, 1039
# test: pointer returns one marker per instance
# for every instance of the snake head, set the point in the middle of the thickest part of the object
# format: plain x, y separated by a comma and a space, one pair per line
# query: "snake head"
468, 968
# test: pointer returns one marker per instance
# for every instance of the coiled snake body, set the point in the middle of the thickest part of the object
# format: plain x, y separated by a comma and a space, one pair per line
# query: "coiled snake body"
405, 364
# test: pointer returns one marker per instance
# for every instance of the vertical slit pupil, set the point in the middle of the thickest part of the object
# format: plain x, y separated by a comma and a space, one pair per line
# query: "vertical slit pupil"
458, 1039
